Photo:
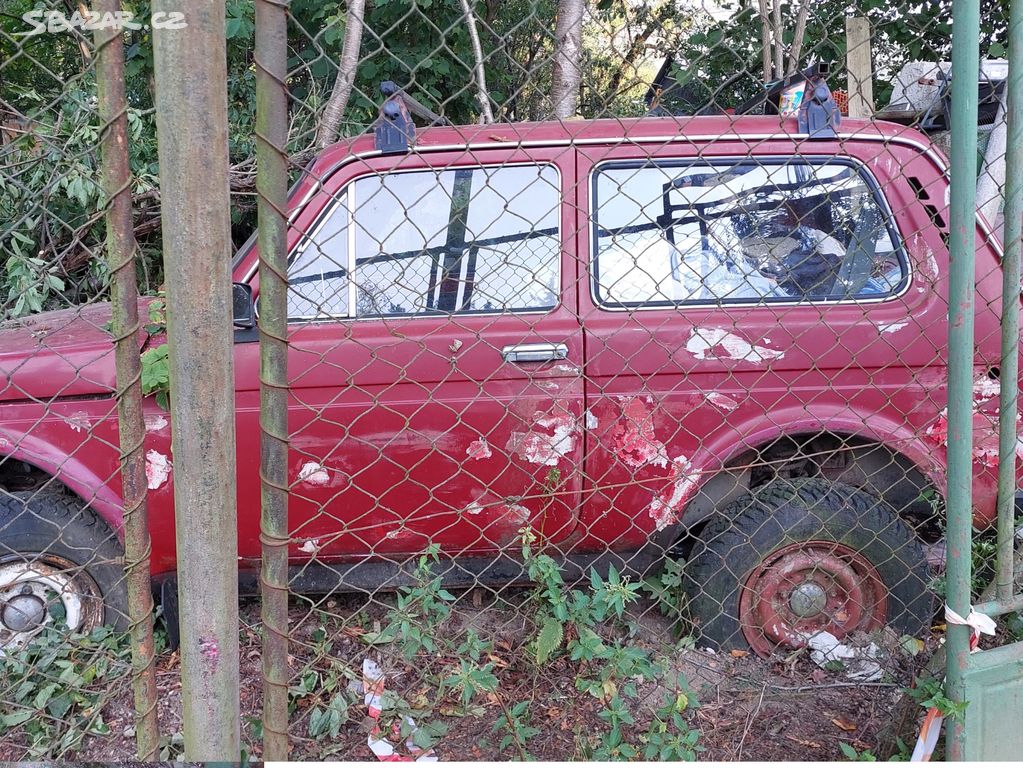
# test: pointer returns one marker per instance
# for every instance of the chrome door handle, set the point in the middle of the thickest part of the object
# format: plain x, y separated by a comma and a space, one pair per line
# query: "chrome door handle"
534, 353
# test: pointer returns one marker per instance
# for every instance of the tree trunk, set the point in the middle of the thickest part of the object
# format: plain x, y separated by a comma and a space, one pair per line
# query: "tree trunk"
568, 48
765, 39
797, 40
481, 75
779, 62
334, 110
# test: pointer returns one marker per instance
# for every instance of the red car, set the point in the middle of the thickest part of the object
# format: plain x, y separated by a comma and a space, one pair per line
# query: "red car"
711, 338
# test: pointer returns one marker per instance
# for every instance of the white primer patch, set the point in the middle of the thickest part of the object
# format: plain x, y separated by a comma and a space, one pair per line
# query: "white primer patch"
985, 388
722, 401
703, 341
156, 422
891, 327
591, 420
312, 546
475, 508
545, 449
78, 421
158, 469
479, 449
314, 474
666, 504
518, 512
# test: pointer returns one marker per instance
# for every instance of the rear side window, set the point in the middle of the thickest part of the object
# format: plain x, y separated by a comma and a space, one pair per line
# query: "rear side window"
741, 232
482, 239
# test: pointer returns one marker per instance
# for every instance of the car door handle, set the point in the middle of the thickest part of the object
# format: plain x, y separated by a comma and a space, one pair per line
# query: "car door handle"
534, 353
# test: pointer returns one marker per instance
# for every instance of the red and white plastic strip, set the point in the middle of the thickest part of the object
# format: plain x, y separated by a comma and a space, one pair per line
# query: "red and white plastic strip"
373, 687
930, 731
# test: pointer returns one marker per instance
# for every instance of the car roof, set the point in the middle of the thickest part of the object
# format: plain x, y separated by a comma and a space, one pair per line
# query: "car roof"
700, 128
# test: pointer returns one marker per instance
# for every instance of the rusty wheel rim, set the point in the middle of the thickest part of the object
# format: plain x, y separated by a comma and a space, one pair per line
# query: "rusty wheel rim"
805, 588
37, 590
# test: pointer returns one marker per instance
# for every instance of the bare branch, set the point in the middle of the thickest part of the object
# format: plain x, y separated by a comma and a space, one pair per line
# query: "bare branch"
797, 40
765, 39
334, 110
481, 75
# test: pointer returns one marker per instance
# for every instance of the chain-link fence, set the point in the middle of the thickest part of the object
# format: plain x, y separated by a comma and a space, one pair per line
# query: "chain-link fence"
599, 407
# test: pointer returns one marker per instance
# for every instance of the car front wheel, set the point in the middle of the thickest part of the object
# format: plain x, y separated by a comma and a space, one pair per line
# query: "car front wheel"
60, 565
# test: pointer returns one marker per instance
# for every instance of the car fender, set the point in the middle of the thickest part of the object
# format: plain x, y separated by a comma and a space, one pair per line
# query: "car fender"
68, 470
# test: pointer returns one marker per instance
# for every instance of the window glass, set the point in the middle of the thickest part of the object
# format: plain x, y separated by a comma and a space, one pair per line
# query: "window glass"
741, 232
435, 241
318, 275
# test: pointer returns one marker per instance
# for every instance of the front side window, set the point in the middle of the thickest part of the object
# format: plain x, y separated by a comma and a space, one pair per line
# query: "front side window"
740, 232
482, 239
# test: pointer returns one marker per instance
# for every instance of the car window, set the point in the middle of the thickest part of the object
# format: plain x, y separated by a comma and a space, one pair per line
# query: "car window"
741, 232
480, 239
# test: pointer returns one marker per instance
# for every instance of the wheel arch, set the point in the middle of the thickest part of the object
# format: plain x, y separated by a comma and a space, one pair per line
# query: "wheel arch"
70, 472
725, 463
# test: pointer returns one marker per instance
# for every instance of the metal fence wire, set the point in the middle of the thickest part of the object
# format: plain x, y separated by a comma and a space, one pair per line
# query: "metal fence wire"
597, 407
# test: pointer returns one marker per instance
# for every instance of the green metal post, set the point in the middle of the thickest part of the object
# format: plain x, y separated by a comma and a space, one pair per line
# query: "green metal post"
124, 326
191, 119
1010, 305
963, 234
271, 61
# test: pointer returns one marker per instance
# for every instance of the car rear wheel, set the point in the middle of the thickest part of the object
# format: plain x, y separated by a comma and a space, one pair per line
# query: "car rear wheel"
794, 558
60, 565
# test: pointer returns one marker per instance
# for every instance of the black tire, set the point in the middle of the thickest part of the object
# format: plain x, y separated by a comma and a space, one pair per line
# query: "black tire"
784, 513
57, 532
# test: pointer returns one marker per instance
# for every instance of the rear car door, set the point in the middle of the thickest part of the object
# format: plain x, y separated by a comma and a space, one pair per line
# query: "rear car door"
727, 308
435, 356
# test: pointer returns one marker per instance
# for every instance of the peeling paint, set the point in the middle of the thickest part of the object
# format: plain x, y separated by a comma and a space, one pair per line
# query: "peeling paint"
891, 327
518, 512
78, 421
313, 473
666, 505
722, 401
474, 509
985, 388
542, 448
633, 439
591, 420
158, 469
155, 422
456, 345
312, 546
479, 449
566, 368
704, 341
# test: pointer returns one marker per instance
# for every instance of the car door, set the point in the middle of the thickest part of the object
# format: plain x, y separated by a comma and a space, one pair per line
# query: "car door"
726, 309
435, 356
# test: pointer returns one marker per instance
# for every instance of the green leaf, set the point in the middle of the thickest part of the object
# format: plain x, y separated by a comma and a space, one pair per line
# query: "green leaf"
996, 51
549, 640
17, 718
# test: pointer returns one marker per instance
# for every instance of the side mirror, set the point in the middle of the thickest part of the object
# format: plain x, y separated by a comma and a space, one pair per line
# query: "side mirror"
244, 314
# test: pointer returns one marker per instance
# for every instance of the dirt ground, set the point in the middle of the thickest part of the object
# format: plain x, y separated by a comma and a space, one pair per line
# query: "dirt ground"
745, 708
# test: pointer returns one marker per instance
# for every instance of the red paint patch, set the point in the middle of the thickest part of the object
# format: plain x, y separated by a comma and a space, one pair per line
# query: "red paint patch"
633, 439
